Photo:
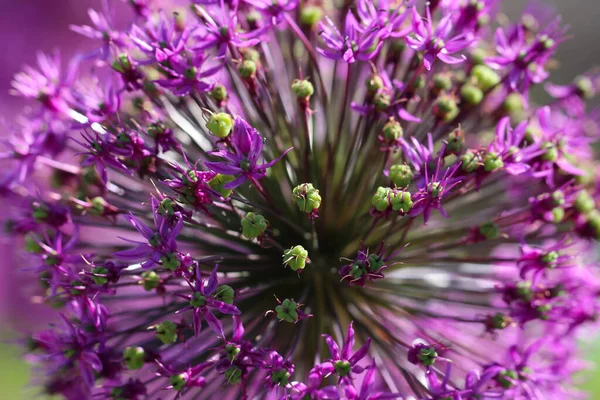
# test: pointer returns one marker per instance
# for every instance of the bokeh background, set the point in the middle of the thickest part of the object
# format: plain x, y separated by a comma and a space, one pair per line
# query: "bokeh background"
28, 26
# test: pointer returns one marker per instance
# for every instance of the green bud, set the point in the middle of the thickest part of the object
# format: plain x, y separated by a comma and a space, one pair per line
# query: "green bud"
551, 153
381, 199
100, 275
401, 175
558, 214
247, 69
427, 356
469, 161
306, 197
585, 202
303, 89
489, 230
513, 103
585, 87
418, 83
445, 107
524, 290
166, 332
373, 83
286, 311
593, 223
392, 130
190, 73
434, 188
198, 300
295, 257
558, 197
342, 367
134, 357
232, 351
401, 201
170, 261
219, 93
178, 382
471, 94
456, 141
485, 77
150, 280
31, 245
217, 183
477, 56
550, 259
225, 293
442, 82
382, 100
492, 161
281, 377
500, 321
233, 375
254, 225
506, 378
122, 64
310, 15
220, 125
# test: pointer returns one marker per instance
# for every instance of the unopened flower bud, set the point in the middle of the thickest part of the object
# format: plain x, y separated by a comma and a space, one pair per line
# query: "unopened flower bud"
217, 183
401, 201
295, 257
254, 225
471, 94
150, 280
401, 175
220, 125
286, 311
166, 332
134, 357
306, 197
492, 161
392, 130
303, 89
310, 15
381, 199
247, 69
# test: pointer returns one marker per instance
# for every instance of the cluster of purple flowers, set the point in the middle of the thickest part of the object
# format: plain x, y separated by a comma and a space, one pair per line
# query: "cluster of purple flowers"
389, 153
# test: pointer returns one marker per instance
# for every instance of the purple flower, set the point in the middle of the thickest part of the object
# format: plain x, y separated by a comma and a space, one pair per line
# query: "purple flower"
436, 43
243, 158
344, 363
187, 76
509, 146
357, 43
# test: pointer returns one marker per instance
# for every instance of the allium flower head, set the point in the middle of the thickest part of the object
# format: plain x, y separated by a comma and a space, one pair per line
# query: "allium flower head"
284, 200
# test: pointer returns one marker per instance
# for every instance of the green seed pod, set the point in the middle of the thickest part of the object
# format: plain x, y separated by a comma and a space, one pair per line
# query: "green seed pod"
471, 94
585, 87
134, 357
477, 56
31, 245
232, 351
170, 261
178, 382
281, 377
551, 153
469, 161
500, 321
445, 107
593, 223
225, 293
489, 230
197, 300
401, 175
392, 130
382, 100
233, 375
513, 103
342, 367
310, 15
427, 356
558, 214
100, 275
550, 259
254, 225
303, 89
247, 69
217, 183
286, 311
122, 64
506, 378
401, 201
220, 125
418, 83
295, 257
585, 202
219, 93
250, 54
381, 199
485, 77
374, 83
456, 141
306, 197
442, 82
166, 332
150, 280
492, 161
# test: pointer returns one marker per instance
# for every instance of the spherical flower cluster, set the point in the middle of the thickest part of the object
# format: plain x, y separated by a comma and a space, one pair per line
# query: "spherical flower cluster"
379, 167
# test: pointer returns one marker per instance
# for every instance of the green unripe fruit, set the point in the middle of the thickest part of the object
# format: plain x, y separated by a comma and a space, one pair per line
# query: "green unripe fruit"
585, 87
445, 107
219, 93
250, 54
374, 83
306, 197
513, 103
100, 275
489, 230
197, 300
382, 100
442, 82
401, 201
254, 225
217, 183
342, 367
492, 161
225, 293
477, 56
286, 311
558, 214
233, 375
551, 153
550, 259
507, 378
295, 257
485, 77
178, 382
593, 223
500, 321
418, 83
584, 202
232, 351
471, 94
166, 332
247, 69
150, 280
427, 356
134, 357
281, 377
310, 15
381, 199
220, 125
401, 175
31, 245
392, 130
170, 261
469, 161
303, 89
122, 64
456, 140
